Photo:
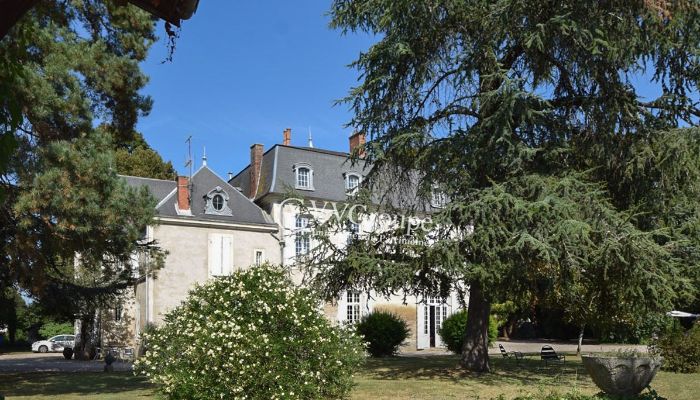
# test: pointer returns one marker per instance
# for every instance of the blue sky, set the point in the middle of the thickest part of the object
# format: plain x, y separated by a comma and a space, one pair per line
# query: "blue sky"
244, 71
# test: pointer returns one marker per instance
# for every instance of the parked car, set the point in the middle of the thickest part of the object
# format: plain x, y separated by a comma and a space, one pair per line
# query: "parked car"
55, 344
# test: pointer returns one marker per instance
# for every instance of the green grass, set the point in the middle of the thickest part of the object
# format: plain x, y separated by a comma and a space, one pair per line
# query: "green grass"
429, 377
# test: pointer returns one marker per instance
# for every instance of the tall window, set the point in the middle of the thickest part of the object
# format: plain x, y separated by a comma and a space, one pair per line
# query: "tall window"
353, 306
353, 231
352, 182
440, 313
304, 177
302, 240
259, 257
118, 313
438, 198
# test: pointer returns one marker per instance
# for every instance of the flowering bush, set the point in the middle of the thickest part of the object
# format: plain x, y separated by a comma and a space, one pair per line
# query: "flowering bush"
252, 335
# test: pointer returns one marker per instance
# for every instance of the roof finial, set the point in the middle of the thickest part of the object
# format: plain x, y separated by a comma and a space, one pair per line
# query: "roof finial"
204, 157
311, 141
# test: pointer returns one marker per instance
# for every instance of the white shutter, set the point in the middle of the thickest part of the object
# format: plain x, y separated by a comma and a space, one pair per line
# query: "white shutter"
226, 254
423, 338
214, 254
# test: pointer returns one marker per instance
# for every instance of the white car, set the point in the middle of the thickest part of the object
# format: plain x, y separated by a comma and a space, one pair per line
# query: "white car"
55, 344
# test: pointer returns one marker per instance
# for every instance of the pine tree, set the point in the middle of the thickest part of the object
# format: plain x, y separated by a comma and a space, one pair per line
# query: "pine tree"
68, 224
137, 158
563, 179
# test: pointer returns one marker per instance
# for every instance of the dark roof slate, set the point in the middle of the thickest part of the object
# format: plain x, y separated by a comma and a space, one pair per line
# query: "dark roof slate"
243, 210
329, 171
159, 188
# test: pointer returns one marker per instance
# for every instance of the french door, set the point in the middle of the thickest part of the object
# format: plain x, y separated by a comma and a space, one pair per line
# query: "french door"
431, 314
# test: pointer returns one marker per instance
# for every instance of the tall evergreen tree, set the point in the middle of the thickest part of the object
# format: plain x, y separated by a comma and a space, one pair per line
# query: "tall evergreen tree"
137, 158
563, 178
68, 224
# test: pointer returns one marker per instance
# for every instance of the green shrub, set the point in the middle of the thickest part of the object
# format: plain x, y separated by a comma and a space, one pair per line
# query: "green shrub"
383, 332
680, 350
251, 335
452, 331
51, 329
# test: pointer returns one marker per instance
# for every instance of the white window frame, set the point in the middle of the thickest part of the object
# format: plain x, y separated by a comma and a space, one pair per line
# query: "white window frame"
353, 231
302, 240
257, 262
310, 178
349, 175
438, 198
353, 306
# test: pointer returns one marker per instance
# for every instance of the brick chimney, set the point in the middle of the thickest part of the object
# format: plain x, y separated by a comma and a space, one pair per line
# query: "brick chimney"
287, 137
357, 141
183, 195
256, 154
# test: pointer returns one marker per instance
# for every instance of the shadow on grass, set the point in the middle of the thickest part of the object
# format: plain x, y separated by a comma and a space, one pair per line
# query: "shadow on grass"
503, 371
77, 383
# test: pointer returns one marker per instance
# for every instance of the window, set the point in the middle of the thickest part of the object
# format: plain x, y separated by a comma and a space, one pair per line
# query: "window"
353, 231
220, 254
440, 308
118, 313
302, 241
353, 306
259, 257
218, 202
352, 181
304, 177
438, 198
426, 320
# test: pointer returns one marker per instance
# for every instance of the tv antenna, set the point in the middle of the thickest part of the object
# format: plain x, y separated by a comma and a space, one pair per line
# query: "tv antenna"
188, 161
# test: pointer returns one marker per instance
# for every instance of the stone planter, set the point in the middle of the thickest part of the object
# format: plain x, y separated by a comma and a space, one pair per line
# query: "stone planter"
621, 376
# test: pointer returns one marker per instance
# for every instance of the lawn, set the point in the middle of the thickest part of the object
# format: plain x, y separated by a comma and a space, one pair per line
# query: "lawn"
431, 377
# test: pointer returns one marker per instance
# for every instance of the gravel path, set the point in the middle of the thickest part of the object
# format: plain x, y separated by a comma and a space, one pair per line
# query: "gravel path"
52, 362
534, 346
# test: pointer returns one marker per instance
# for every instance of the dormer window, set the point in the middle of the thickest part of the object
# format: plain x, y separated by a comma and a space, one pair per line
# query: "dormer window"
217, 202
352, 181
304, 177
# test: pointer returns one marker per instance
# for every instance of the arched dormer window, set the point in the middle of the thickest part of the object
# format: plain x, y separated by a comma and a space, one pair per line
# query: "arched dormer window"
217, 202
352, 182
303, 177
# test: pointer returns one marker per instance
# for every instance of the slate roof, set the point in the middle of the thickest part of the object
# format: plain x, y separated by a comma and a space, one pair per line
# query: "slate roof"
329, 169
159, 188
243, 210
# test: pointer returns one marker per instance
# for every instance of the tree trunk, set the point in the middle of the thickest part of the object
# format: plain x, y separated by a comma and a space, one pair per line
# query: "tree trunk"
84, 341
580, 340
475, 356
12, 333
